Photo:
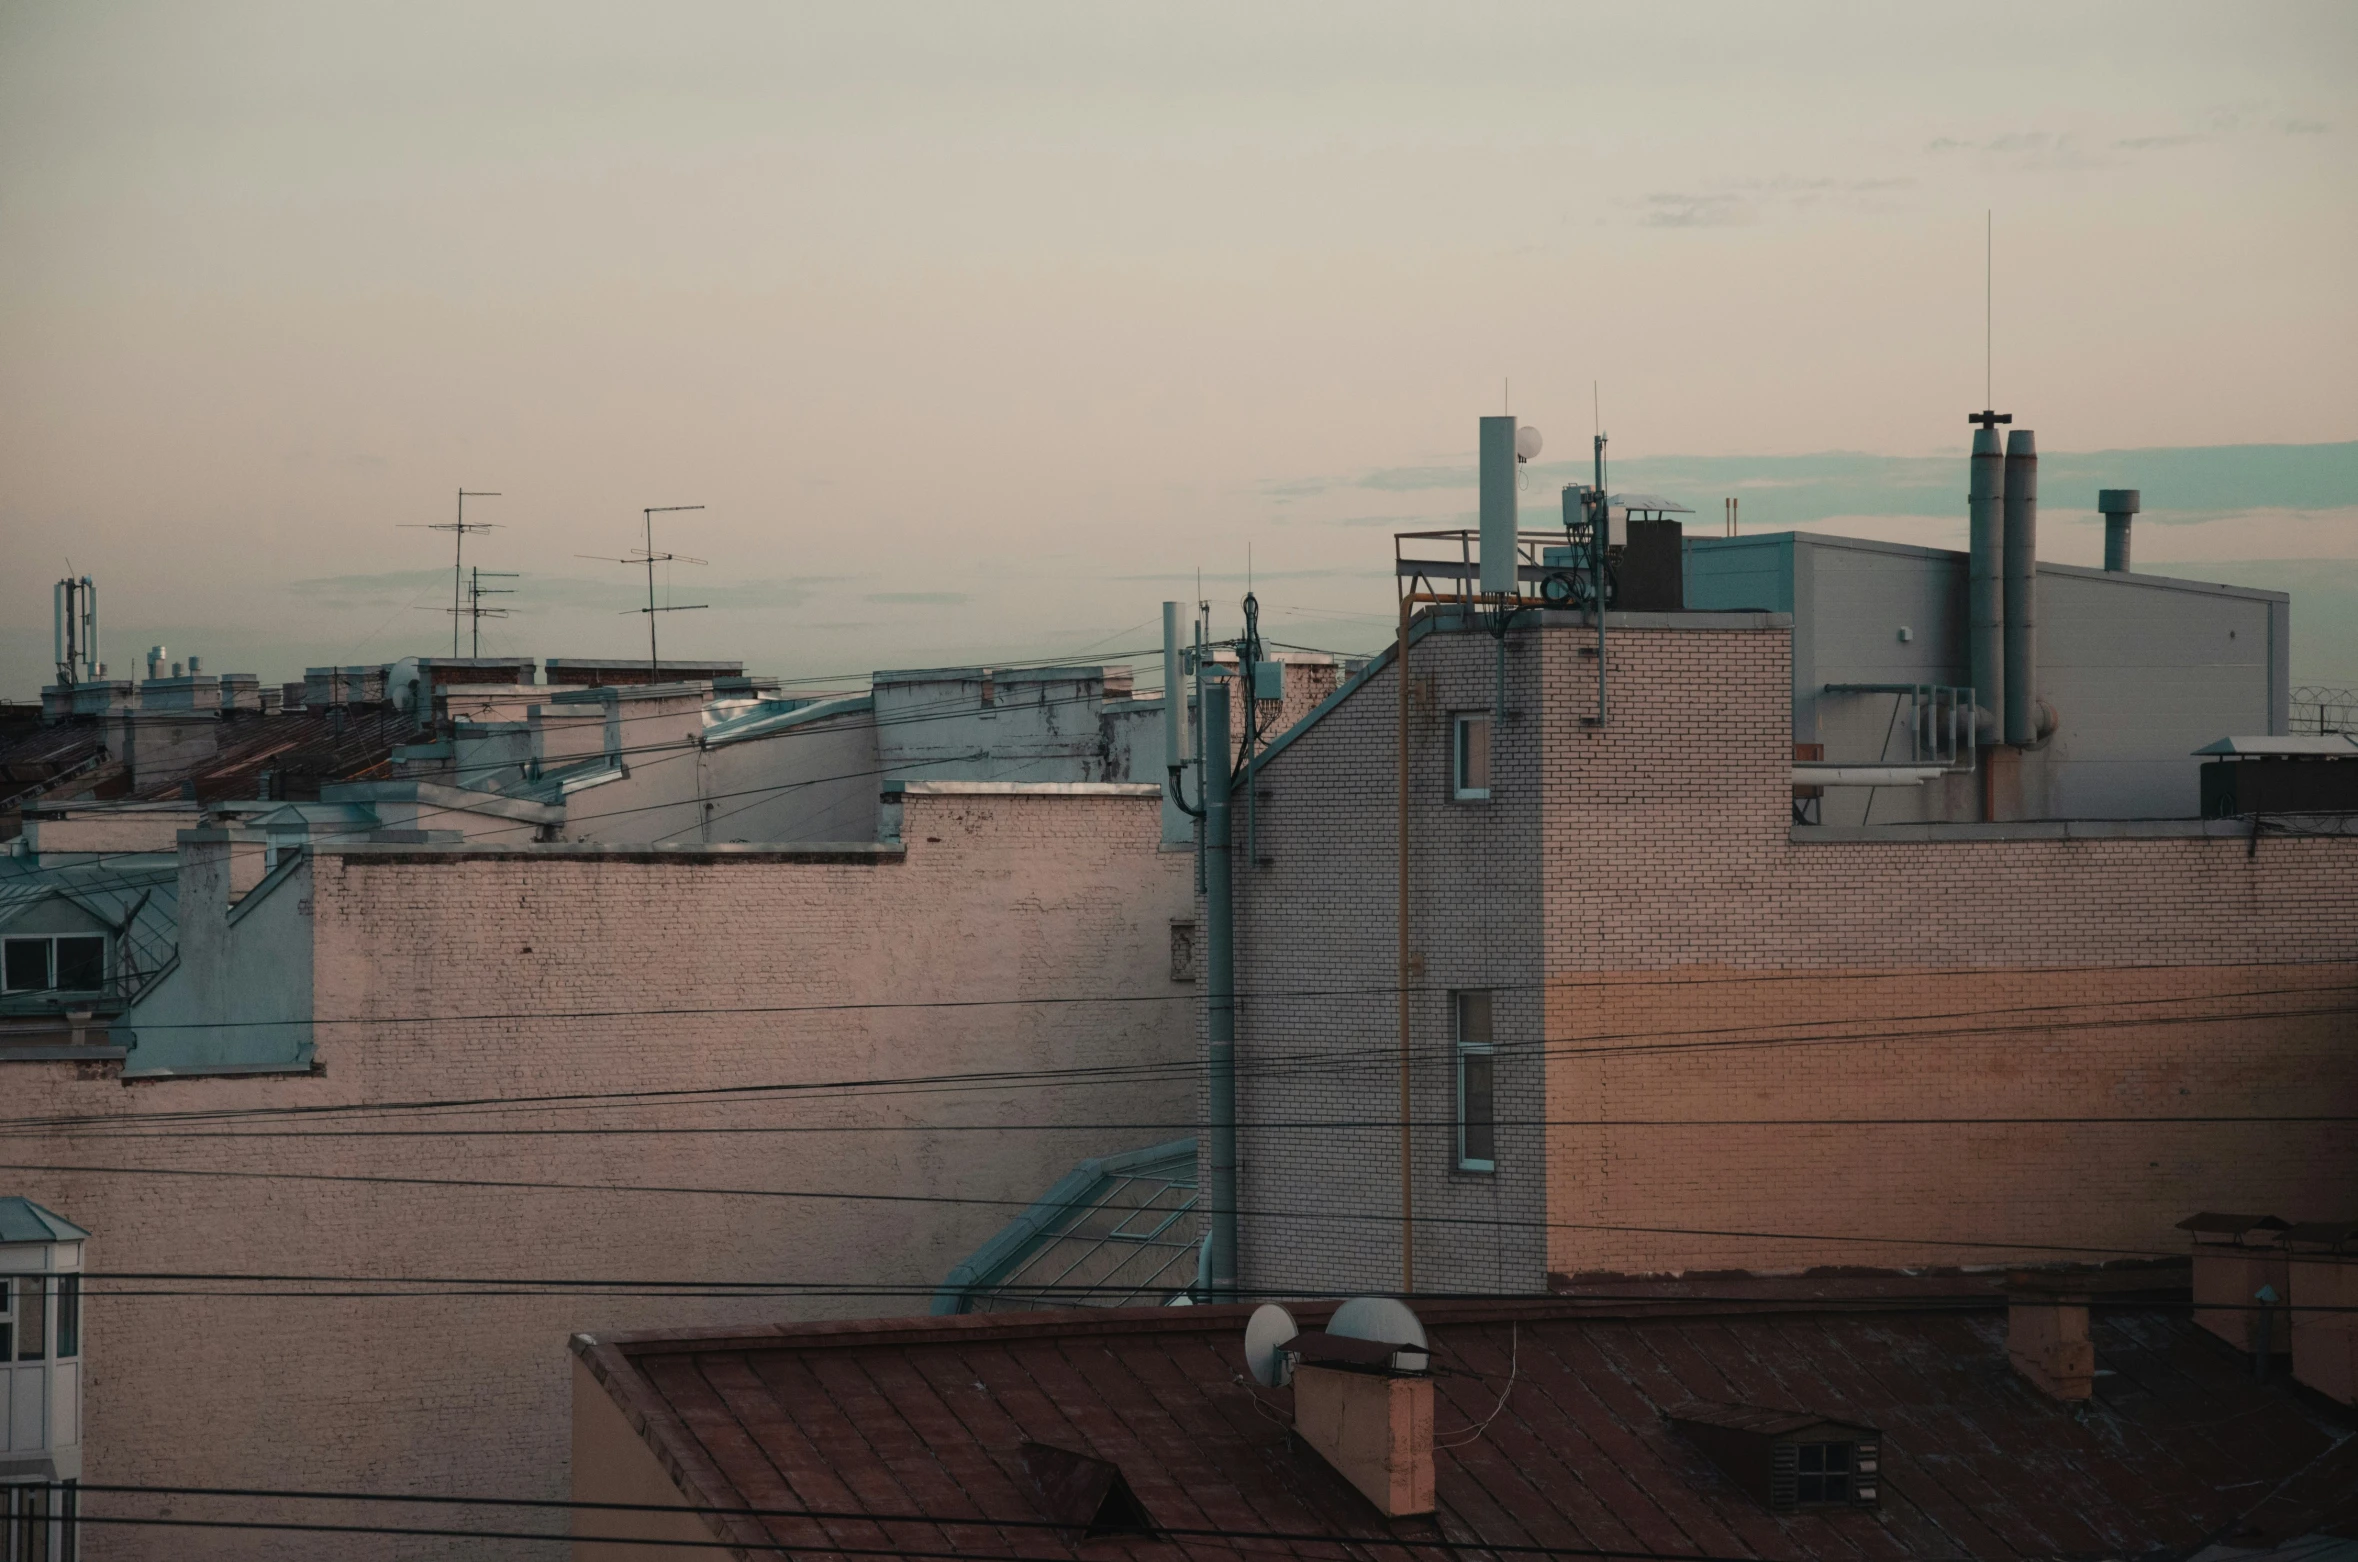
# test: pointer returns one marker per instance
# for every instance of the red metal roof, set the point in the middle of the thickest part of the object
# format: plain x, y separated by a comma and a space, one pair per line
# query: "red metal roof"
916, 1427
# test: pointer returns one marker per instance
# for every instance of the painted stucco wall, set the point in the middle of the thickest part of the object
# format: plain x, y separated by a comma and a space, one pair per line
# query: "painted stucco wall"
878, 1025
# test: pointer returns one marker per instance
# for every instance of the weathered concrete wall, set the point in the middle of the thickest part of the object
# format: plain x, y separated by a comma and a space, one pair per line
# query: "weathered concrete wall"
1696, 948
852, 1075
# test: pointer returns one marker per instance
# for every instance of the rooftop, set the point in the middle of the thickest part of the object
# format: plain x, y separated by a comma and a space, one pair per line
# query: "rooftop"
1552, 1432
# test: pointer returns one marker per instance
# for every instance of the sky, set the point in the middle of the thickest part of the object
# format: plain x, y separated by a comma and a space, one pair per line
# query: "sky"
980, 330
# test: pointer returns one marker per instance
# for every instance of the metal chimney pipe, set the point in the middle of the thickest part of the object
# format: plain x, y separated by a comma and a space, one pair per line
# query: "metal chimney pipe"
2022, 587
1985, 609
1498, 505
2116, 505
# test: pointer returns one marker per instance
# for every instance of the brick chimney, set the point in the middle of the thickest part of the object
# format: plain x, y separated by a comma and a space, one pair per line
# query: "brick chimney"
2047, 1333
1369, 1418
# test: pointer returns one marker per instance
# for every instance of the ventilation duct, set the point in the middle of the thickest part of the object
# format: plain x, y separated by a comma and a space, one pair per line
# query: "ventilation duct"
2022, 588
1986, 582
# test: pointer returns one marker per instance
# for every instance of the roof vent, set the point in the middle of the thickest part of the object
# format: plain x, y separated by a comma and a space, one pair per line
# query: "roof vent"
1086, 1493
1789, 1459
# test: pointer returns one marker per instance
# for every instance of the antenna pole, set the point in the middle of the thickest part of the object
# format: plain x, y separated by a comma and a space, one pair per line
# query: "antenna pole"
654, 664
458, 557
1989, 306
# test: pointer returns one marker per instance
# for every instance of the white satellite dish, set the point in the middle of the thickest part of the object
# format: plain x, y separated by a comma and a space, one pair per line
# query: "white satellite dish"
1265, 1340
1382, 1318
1527, 442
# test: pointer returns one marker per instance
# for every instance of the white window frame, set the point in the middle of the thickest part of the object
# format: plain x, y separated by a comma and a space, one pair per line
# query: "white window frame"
1463, 1050
1458, 726
49, 980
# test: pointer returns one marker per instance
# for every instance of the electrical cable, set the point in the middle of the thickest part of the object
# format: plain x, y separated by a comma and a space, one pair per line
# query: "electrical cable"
1298, 1066
1326, 1214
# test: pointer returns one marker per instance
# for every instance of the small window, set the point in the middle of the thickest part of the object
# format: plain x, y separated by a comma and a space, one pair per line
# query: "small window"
69, 1317
81, 964
1477, 1117
32, 1318
1183, 951
24, 966
1471, 769
1824, 1470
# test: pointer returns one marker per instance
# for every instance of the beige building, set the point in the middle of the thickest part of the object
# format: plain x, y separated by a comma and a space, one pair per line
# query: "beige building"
449, 1102
1655, 1024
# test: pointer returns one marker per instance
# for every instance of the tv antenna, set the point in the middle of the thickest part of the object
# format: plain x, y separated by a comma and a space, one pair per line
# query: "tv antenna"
649, 557
459, 528
476, 611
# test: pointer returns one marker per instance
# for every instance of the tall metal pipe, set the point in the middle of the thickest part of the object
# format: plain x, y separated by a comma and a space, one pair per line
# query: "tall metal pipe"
1985, 606
1176, 829
2022, 587
1219, 990
2116, 505
1498, 505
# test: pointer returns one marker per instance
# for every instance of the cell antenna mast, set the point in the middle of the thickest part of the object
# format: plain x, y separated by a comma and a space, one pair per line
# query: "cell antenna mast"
650, 558
458, 559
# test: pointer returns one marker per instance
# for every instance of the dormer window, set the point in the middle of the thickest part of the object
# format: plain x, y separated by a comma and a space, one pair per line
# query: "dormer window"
67, 963
1788, 1459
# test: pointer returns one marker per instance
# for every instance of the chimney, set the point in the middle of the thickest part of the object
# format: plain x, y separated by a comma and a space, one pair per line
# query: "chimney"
2236, 1257
1985, 615
2047, 1334
2022, 588
1368, 1417
2322, 1267
2116, 505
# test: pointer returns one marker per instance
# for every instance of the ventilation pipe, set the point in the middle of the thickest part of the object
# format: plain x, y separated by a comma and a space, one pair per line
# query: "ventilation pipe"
1498, 506
2022, 587
2116, 505
1985, 610
1219, 990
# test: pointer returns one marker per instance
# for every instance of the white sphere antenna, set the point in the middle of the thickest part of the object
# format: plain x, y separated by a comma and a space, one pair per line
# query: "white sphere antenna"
1527, 442
1266, 1336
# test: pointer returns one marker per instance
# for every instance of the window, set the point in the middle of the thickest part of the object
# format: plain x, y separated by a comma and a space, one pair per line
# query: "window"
7, 1321
69, 1317
1470, 771
1477, 1120
1824, 1473
1183, 951
74, 963
32, 1318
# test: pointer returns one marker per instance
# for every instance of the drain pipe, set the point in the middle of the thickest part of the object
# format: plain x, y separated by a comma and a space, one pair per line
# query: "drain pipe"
2022, 586
2116, 505
1219, 988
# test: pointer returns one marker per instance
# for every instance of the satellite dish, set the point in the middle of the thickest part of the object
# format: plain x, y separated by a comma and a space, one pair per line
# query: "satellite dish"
1527, 442
1265, 1339
1382, 1318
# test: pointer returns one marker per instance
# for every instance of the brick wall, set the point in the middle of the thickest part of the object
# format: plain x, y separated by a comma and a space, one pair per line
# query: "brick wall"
1703, 964
545, 973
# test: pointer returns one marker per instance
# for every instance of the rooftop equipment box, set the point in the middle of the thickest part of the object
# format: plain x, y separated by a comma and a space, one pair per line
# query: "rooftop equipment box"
2317, 775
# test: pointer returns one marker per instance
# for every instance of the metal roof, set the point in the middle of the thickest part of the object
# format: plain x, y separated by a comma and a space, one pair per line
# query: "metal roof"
1113, 1232
2331, 745
21, 1220
1552, 1432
